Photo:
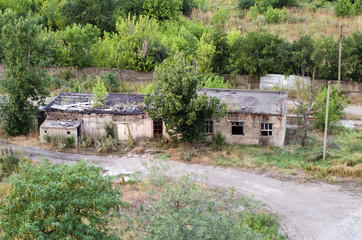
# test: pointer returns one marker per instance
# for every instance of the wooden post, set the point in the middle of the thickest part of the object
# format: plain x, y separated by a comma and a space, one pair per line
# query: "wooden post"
326, 124
340, 57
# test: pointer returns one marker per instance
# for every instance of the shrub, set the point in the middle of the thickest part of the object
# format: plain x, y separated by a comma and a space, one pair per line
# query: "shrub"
253, 12
99, 93
245, 4
9, 162
112, 82
70, 142
50, 201
357, 7
273, 15
343, 8
162, 9
214, 81
110, 131
218, 141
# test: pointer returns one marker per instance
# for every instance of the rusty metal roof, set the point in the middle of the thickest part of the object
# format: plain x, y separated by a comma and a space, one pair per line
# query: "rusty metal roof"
250, 101
119, 104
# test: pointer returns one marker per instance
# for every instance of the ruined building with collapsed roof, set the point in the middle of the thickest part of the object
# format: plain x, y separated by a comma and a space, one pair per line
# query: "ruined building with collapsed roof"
253, 117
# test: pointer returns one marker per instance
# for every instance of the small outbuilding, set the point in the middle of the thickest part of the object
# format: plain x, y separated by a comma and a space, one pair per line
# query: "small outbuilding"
253, 117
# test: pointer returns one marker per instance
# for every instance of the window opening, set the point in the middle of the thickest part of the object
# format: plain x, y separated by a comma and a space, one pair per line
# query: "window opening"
237, 128
266, 129
209, 127
157, 129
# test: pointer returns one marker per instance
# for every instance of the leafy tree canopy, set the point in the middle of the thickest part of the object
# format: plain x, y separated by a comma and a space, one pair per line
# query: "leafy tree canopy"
176, 101
95, 12
162, 9
24, 53
50, 201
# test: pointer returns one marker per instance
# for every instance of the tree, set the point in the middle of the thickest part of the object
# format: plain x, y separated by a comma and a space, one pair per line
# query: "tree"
95, 12
77, 44
220, 57
24, 83
50, 201
352, 57
176, 101
305, 101
302, 61
255, 53
132, 7
326, 56
336, 106
162, 9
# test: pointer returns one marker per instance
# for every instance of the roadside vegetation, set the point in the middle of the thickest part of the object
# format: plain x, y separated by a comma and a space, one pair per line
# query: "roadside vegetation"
77, 201
343, 161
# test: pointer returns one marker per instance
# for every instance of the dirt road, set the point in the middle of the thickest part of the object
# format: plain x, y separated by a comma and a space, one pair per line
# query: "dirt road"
309, 211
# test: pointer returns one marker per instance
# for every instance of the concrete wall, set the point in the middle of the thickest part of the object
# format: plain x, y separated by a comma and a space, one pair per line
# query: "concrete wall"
138, 126
127, 75
238, 81
44, 131
252, 133
243, 81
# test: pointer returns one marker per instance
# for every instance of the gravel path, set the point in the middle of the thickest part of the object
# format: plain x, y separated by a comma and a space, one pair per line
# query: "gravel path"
308, 211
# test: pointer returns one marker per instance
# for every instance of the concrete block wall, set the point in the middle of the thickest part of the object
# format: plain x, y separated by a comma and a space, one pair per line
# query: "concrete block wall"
252, 129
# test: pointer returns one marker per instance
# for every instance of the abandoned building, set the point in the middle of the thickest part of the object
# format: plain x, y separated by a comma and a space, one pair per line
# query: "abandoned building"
253, 117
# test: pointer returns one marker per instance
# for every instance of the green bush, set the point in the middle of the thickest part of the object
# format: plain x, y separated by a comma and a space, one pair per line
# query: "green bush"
214, 81
253, 12
343, 8
273, 15
245, 4
51, 201
69, 141
99, 93
110, 131
218, 141
162, 9
9, 162
112, 82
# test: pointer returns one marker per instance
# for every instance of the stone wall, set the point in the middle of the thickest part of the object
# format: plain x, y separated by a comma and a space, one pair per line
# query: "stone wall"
252, 129
135, 126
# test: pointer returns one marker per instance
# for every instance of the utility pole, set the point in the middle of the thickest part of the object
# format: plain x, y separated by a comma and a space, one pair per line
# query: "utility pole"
340, 57
326, 124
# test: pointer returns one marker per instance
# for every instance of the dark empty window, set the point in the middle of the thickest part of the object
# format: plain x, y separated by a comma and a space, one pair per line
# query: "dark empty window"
157, 129
45, 131
209, 127
68, 132
266, 129
237, 128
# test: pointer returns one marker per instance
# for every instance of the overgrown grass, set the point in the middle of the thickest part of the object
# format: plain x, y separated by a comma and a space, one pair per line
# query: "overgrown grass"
65, 83
312, 18
343, 159
148, 198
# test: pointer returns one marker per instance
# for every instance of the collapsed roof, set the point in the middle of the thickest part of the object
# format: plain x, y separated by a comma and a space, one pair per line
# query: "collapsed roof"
236, 100
119, 104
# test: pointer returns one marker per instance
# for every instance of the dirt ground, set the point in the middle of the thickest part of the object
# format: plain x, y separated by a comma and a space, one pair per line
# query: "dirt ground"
307, 210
